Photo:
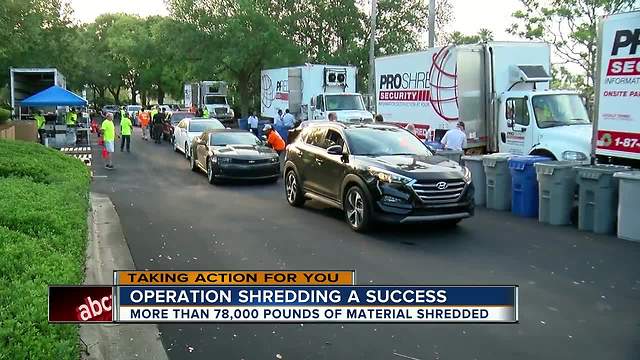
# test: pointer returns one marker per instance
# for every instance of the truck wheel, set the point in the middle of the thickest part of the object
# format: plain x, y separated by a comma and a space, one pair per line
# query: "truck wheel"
356, 209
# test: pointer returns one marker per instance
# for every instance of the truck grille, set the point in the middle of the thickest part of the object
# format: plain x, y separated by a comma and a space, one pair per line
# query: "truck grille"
251, 162
434, 192
220, 111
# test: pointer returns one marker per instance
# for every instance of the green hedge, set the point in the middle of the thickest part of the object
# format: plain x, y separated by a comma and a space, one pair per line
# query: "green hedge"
43, 232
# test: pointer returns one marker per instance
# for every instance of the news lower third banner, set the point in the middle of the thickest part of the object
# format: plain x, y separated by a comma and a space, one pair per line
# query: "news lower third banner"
275, 297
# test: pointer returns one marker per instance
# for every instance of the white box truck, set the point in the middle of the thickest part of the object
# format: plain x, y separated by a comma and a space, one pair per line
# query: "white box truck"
312, 91
617, 107
500, 90
210, 94
25, 82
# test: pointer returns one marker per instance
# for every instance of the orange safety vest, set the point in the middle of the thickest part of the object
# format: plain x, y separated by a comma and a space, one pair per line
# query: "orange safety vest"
276, 141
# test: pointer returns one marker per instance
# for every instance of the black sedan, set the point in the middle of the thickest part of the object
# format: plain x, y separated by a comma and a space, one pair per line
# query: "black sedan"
227, 154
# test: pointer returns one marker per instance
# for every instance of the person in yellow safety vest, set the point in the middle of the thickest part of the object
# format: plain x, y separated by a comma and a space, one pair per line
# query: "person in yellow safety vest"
205, 113
125, 130
71, 117
40, 124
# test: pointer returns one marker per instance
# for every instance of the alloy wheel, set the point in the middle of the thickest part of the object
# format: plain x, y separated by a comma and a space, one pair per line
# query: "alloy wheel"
355, 208
292, 187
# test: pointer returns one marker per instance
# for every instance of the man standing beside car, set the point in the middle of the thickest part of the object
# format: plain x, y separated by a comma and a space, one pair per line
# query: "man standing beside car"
158, 123
455, 139
274, 141
252, 121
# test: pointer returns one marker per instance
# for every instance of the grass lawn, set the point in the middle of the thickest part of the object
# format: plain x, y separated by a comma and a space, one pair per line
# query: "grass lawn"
44, 198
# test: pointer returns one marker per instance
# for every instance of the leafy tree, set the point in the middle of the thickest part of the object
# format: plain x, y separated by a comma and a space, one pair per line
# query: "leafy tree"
458, 38
570, 26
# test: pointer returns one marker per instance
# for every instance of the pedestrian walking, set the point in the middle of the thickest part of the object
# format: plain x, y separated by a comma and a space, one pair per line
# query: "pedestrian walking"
158, 123
274, 141
144, 119
455, 139
205, 113
40, 121
253, 123
125, 131
109, 138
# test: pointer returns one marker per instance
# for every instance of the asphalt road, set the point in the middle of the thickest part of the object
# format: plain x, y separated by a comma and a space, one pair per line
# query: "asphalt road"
579, 292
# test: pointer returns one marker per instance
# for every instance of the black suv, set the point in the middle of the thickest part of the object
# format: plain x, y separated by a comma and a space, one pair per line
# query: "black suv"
375, 172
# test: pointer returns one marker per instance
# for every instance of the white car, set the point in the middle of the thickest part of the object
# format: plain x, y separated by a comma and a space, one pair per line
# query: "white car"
190, 128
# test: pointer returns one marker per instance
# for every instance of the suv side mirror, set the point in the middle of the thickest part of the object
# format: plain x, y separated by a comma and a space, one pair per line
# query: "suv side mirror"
335, 150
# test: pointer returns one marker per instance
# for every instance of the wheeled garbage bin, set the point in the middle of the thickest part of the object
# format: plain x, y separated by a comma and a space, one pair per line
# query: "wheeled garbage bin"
557, 189
474, 164
453, 155
498, 189
628, 205
524, 187
598, 197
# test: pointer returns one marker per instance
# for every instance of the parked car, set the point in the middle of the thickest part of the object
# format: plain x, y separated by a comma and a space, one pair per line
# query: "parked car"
172, 121
110, 109
190, 128
228, 154
132, 111
376, 173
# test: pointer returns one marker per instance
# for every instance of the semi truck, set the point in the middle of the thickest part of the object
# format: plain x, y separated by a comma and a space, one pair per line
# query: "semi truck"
312, 91
25, 82
212, 95
617, 106
500, 90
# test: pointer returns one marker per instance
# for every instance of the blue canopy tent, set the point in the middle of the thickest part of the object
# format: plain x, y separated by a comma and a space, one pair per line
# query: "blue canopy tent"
54, 96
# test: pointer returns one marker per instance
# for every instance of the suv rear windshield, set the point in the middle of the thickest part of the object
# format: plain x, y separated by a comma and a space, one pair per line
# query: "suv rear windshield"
200, 126
382, 141
177, 117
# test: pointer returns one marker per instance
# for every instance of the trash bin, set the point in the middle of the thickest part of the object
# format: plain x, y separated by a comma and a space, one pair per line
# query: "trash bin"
243, 124
524, 187
598, 197
629, 186
557, 188
474, 164
498, 178
453, 155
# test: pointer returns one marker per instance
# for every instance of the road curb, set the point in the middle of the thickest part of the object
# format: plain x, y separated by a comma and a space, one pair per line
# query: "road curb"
107, 250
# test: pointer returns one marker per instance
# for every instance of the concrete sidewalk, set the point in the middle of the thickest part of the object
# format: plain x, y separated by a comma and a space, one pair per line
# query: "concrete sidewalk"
107, 250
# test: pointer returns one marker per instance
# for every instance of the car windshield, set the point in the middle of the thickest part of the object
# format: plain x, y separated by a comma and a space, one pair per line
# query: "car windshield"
374, 141
234, 138
343, 102
215, 100
559, 110
177, 117
200, 126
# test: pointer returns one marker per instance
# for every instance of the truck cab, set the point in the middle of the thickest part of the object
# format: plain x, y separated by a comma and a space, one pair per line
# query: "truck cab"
349, 108
214, 98
552, 123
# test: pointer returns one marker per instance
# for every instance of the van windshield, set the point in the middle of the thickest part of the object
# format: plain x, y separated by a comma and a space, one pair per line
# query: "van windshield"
215, 100
559, 110
343, 102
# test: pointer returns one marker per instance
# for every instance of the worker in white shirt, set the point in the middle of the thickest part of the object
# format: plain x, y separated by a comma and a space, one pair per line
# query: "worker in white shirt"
252, 121
455, 139
288, 119
277, 120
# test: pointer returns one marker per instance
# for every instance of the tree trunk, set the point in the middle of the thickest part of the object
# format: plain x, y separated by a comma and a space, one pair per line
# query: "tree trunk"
134, 96
143, 98
160, 96
116, 94
243, 90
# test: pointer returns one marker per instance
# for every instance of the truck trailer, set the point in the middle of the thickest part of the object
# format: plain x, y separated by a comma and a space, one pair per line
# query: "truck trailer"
212, 95
617, 107
500, 90
25, 82
312, 91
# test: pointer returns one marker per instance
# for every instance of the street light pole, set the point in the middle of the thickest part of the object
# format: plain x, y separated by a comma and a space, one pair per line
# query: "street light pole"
432, 23
372, 55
